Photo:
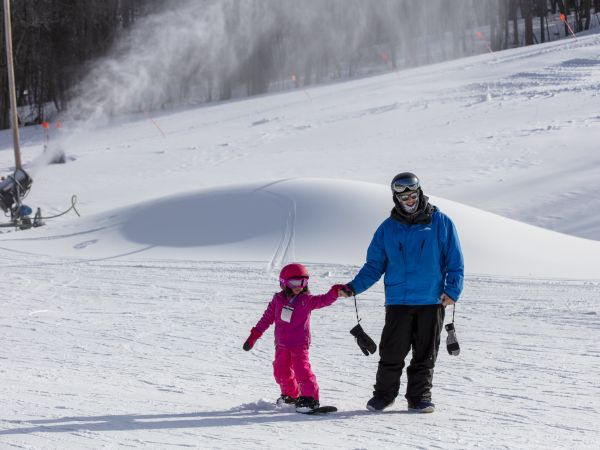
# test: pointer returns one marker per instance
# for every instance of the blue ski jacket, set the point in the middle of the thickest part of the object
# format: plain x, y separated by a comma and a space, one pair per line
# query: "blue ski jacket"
420, 261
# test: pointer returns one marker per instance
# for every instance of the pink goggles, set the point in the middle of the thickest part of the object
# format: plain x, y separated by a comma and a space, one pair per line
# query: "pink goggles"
295, 282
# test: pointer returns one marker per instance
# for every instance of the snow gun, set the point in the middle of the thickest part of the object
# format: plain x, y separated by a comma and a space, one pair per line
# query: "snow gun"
13, 189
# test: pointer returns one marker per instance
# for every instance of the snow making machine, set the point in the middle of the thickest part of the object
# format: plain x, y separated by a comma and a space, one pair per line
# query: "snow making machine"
13, 189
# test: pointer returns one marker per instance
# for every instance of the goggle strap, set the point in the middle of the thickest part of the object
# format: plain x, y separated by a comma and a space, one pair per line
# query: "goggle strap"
399, 188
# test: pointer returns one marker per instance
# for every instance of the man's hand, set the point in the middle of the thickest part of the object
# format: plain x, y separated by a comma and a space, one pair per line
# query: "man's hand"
446, 300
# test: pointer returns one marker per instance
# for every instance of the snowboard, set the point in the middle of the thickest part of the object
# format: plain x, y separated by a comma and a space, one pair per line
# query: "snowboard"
321, 410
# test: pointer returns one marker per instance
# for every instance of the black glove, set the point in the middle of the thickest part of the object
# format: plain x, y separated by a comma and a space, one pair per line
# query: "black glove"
451, 341
366, 344
254, 336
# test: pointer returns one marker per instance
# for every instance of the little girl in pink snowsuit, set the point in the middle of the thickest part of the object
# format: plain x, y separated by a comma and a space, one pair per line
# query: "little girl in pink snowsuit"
290, 309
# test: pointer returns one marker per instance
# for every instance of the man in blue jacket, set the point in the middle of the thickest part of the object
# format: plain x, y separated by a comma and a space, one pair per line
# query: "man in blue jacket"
418, 252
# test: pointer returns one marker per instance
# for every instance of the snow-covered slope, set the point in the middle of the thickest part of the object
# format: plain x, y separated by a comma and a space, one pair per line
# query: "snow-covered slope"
123, 328
513, 133
303, 219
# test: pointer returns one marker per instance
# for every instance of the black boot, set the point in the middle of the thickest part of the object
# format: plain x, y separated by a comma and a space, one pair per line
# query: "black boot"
306, 404
378, 403
285, 400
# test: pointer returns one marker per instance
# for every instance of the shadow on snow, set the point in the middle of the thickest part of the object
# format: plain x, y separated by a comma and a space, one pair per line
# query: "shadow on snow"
168, 421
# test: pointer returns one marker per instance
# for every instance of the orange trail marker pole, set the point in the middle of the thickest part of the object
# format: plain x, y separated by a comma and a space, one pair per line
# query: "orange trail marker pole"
297, 84
388, 61
563, 18
479, 35
46, 127
386, 58
155, 124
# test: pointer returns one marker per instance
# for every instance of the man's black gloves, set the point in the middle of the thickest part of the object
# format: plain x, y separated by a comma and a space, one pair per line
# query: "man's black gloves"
366, 344
451, 341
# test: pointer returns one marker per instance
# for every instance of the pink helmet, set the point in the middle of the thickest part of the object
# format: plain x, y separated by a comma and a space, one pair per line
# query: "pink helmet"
292, 271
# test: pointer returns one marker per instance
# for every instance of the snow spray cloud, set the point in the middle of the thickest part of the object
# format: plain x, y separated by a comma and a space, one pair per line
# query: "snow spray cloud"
202, 50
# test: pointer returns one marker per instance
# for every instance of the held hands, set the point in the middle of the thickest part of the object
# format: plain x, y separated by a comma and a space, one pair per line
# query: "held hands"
338, 290
254, 336
344, 290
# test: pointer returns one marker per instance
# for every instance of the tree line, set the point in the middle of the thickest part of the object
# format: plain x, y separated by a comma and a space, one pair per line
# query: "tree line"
55, 42
505, 20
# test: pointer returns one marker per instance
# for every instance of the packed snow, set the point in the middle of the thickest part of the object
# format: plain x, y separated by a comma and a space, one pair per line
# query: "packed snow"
123, 327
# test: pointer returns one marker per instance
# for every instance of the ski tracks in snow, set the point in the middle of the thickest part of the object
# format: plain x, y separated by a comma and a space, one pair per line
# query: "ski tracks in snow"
285, 250
148, 355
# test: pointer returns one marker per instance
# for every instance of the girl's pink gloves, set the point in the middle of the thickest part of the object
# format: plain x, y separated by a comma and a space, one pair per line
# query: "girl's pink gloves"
254, 335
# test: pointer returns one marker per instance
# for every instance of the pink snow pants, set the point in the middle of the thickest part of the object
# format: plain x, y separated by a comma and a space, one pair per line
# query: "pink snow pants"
293, 374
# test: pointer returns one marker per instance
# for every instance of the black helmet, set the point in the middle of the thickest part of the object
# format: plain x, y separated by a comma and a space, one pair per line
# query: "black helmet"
405, 181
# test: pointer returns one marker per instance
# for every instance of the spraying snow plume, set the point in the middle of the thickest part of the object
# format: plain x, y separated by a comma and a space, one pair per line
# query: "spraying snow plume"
153, 63
218, 49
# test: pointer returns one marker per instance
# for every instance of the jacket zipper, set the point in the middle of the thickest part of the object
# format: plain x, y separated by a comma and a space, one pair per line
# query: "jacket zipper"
404, 267
421, 250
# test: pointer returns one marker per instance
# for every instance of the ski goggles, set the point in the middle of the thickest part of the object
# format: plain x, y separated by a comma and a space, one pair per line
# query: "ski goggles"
407, 197
400, 186
296, 282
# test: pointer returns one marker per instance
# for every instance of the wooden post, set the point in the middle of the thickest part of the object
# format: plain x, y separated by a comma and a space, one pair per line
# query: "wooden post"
11, 84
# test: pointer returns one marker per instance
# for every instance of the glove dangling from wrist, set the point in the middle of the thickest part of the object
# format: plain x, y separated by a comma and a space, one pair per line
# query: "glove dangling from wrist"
366, 344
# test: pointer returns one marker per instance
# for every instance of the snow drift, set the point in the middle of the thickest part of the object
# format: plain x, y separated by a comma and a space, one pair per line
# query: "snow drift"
308, 220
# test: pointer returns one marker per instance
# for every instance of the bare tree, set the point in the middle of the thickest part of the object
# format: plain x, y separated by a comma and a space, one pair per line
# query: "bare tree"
52, 42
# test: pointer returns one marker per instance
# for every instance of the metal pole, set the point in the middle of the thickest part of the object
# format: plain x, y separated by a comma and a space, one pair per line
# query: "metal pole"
11, 84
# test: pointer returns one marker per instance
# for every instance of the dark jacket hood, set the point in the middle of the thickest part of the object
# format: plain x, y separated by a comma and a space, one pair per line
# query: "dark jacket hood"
422, 215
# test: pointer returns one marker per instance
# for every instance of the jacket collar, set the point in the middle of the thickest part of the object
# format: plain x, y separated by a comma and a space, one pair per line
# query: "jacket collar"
421, 216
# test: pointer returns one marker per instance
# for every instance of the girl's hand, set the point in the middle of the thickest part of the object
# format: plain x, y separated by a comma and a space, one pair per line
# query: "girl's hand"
254, 336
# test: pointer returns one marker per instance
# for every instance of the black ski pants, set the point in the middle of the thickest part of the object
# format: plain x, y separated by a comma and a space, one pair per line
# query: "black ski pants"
406, 327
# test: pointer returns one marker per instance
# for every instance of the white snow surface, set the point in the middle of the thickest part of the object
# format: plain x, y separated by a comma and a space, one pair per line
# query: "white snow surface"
123, 328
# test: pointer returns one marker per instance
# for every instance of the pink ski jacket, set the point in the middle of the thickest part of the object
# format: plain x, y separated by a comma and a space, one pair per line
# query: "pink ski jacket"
296, 332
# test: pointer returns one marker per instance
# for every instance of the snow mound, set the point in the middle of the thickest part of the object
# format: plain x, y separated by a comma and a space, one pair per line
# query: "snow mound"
302, 219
